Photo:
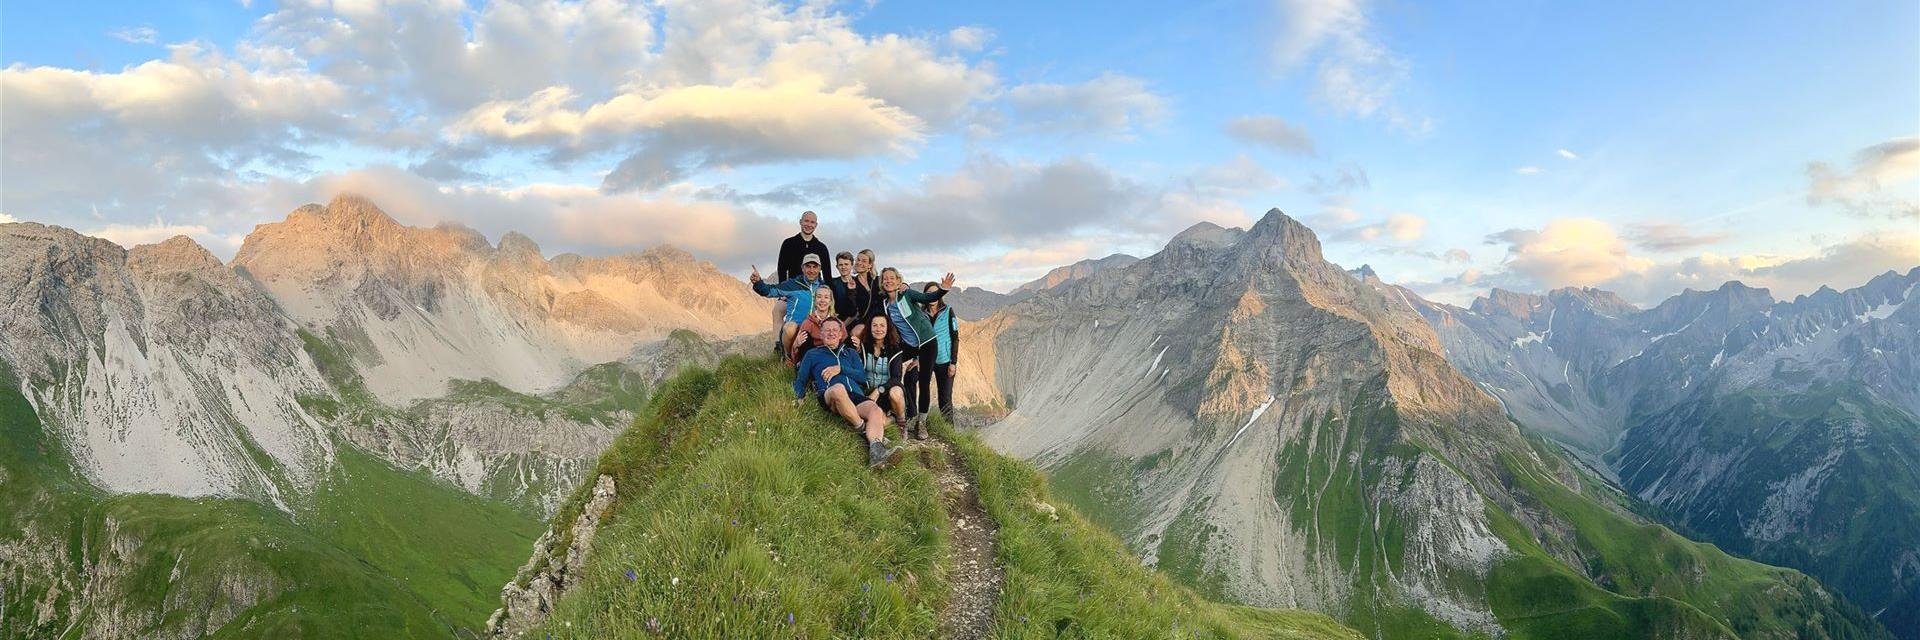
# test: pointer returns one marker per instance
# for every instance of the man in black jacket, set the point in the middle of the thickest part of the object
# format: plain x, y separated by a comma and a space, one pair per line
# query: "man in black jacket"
799, 246
788, 266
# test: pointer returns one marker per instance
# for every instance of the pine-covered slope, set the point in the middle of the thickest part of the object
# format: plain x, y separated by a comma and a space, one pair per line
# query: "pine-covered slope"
1280, 433
1785, 431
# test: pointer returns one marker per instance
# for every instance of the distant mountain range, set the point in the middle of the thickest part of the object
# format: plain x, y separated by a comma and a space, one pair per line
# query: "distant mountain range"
359, 427
1279, 432
1785, 431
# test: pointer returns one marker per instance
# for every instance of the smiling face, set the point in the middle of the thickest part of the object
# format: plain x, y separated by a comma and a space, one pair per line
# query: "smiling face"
844, 266
863, 263
811, 269
808, 222
823, 301
890, 281
831, 333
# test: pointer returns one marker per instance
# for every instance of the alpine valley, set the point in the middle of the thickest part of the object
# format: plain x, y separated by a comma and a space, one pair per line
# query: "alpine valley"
358, 428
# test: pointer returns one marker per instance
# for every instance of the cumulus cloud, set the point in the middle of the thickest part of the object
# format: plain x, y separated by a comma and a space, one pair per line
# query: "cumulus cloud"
1112, 104
1668, 236
1587, 252
1868, 187
993, 199
1271, 131
1354, 72
128, 143
1576, 252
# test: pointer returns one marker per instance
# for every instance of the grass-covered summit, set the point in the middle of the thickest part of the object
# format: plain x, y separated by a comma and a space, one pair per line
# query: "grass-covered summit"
742, 514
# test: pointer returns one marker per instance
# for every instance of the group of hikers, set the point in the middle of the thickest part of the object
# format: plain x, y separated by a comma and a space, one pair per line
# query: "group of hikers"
870, 348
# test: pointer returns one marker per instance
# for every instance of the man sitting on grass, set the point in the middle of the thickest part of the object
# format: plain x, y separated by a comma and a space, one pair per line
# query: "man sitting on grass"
835, 371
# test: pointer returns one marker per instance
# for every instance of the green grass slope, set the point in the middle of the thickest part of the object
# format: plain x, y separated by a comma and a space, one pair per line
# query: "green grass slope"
743, 514
376, 553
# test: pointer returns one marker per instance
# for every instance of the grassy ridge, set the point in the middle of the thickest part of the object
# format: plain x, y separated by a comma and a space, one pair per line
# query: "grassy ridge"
744, 514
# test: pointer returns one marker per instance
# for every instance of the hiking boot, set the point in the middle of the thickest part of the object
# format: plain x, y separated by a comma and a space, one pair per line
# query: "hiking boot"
920, 427
879, 455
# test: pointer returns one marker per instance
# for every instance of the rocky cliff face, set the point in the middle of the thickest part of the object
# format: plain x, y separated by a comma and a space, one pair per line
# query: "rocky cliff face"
1780, 430
161, 370
1265, 425
336, 333
418, 308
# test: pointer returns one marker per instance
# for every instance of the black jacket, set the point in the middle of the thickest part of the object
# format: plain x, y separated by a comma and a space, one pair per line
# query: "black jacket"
857, 303
795, 249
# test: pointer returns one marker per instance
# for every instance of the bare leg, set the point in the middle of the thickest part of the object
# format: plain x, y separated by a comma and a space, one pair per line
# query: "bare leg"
786, 338
899, 399
875, 419
837, 400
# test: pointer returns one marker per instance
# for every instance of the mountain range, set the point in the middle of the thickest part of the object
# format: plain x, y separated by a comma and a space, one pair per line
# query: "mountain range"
1784, 431
1279, 432
359, 426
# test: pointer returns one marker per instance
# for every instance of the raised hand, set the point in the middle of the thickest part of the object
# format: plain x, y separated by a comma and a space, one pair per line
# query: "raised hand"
947, 282
755, 278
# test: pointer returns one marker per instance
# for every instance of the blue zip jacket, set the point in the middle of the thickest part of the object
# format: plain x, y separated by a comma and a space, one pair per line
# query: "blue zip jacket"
853, 373
797, 291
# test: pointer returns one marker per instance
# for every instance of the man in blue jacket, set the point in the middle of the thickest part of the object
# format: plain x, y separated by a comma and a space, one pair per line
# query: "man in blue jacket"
836, 373
797, 291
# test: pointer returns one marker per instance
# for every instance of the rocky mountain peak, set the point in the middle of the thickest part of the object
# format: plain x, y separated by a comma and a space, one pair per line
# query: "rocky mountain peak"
1297, 243
512, 243
179, 253
1512, 304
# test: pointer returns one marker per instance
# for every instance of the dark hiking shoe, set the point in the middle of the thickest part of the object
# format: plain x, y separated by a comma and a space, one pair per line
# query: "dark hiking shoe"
880, 456
920, 428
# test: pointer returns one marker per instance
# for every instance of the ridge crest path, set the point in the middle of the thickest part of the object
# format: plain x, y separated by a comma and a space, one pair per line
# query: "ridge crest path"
973, 550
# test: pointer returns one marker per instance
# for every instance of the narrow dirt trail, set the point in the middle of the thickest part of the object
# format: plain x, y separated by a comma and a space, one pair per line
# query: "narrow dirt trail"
973, 552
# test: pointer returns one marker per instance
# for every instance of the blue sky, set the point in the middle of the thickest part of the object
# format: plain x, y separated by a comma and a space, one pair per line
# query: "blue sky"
1640, 147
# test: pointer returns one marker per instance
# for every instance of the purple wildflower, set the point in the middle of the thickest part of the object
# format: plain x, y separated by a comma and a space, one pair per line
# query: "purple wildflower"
789, 618
632, 577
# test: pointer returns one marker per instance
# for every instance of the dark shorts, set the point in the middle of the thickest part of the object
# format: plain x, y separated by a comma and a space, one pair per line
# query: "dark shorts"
852, 394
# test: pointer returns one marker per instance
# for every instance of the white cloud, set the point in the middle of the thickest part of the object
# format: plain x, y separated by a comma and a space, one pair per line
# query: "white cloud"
1271, 131
1864, 189
1240, 175
1584, 252
969, 38
1669, 236
1356, 74
1576, 252
1528, 170
1567, 154
4, 218
1110, 104
131, 235
137, 35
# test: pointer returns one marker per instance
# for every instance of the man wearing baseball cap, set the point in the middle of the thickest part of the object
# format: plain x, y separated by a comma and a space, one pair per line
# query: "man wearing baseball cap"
796, 291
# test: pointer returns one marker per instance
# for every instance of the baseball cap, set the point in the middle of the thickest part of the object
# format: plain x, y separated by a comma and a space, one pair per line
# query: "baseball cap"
810, 258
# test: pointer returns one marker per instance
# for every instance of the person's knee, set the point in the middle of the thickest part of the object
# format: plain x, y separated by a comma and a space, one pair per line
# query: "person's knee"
836, 393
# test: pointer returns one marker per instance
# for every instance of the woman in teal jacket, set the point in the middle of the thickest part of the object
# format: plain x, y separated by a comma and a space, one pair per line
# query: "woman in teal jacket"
916, 332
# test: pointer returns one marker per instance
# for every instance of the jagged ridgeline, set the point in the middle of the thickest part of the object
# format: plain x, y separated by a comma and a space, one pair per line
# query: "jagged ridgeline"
1277, 432
354, 430
1785, 431
730, 511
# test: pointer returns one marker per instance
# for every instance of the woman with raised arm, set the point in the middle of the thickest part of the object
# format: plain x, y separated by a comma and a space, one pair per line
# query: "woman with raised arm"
887, 362
945, 351
916, 331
